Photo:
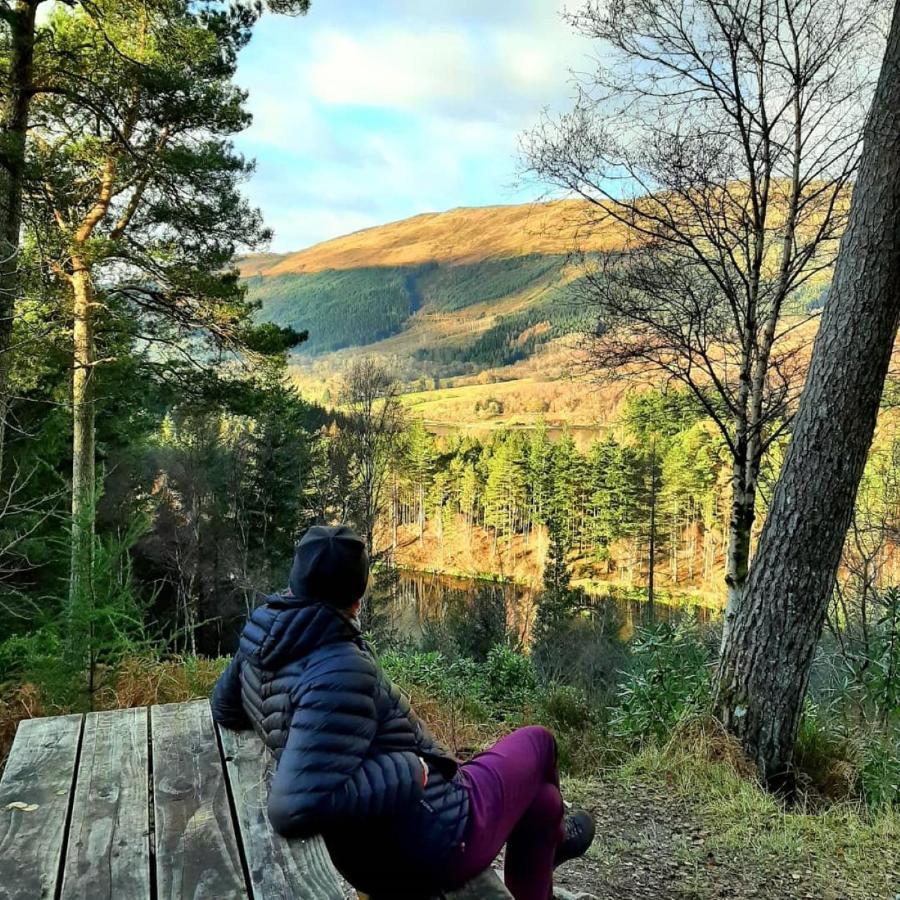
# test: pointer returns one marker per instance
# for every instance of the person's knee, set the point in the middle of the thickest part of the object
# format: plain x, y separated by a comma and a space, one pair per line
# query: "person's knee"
544, 741
551, 803
546, 810
543, 737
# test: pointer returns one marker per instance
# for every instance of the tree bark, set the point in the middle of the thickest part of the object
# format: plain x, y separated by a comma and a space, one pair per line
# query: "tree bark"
83, 472
765, 663
651, 551
740, 528
13, 131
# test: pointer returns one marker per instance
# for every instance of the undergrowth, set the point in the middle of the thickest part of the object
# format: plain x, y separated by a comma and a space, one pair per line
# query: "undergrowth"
850, 849
135, 681
643, 711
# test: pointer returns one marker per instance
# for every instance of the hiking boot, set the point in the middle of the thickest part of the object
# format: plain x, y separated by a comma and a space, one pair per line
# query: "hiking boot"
580, 830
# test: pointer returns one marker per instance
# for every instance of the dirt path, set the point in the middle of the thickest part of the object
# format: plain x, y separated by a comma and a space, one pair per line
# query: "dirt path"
649, 846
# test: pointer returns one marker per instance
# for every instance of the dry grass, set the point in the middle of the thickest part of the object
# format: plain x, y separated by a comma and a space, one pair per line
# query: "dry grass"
452, 727
460, 235
20, 702
140, 681
147, 681
849, 851
707, 740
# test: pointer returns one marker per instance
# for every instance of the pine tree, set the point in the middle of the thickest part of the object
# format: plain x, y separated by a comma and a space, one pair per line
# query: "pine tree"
420, 465
540, 455
557, 600
140, 212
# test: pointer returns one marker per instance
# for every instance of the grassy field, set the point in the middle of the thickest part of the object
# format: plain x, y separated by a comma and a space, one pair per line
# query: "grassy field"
546, 387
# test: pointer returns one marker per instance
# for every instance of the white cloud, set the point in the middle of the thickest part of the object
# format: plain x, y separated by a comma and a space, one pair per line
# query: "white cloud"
287, 123
392, 68
531, 63
366, 113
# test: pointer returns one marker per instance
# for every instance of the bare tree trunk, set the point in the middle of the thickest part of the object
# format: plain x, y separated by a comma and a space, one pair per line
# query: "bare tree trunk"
13, 130
421, 499
651, 549
394, 514
765, 663
740, 529
83, 474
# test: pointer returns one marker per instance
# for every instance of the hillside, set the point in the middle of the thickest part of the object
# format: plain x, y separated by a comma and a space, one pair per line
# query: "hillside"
444, 294
458, 300
458, 236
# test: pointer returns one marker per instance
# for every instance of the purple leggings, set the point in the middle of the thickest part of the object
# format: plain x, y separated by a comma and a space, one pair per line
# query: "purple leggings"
514, 799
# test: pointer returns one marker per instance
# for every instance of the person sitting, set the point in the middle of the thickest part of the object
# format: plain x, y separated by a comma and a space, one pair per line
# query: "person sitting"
400, 815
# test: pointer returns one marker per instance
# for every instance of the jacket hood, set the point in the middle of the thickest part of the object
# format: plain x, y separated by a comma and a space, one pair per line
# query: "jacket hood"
287, 628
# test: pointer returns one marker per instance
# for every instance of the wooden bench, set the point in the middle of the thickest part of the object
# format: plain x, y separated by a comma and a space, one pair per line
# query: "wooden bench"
154, 804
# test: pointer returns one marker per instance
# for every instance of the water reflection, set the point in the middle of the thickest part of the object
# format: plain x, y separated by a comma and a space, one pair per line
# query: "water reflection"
422, 597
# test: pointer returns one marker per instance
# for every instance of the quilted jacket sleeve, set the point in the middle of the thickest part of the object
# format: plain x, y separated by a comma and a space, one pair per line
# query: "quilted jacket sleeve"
325, 774
227, 706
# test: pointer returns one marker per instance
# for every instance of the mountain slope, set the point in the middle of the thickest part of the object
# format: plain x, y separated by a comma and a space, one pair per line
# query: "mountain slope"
463, 235
452, 293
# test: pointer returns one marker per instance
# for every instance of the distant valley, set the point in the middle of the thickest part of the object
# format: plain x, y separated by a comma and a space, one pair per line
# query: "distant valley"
476, 308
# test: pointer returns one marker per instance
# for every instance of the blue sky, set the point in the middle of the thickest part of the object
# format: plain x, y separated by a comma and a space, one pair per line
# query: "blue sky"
367, 112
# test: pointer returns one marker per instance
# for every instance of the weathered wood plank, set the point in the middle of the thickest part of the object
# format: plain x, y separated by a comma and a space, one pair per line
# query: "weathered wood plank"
38, 777
279, 869
196, 849
108, 856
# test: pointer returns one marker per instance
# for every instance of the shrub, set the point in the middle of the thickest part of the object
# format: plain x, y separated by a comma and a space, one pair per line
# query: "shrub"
507, 681
565, 708
30, 657
824, 756
880, 772
478, 624
586, 653
881, 676
668, 680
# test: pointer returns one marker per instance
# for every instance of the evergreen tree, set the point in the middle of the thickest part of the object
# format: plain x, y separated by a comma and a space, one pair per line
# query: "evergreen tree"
564, 485
504, 489
540, 454
654, 418
140, 211
27, 77
420, 464
557, 600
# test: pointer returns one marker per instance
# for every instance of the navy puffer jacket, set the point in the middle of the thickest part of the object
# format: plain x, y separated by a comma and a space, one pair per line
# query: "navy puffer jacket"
347, 746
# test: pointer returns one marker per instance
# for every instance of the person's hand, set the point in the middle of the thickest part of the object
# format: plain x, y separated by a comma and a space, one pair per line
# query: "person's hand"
424, 771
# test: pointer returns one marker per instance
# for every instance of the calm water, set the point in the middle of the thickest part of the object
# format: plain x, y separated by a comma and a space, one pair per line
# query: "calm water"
422, 597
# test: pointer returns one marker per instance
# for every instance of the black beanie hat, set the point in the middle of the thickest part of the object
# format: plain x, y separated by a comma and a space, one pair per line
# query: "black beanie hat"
330, 566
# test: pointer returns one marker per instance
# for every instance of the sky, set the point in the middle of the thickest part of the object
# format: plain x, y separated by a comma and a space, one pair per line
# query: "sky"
368, 112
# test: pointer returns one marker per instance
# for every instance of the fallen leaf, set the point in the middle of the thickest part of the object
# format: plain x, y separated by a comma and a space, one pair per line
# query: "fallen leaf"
25, 807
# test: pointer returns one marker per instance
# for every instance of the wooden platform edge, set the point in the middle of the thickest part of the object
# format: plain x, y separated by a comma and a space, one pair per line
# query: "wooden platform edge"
486, 886
35, 812
277, 868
